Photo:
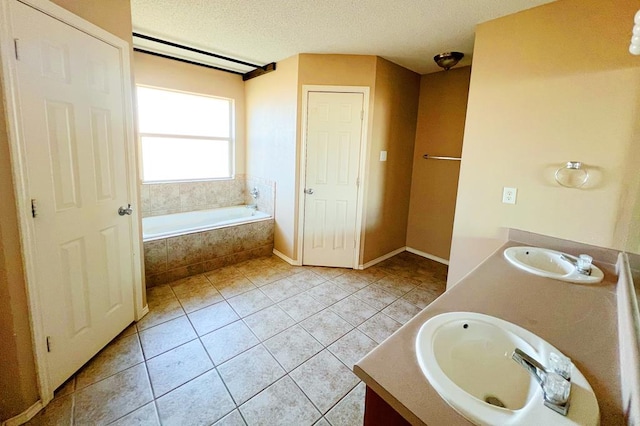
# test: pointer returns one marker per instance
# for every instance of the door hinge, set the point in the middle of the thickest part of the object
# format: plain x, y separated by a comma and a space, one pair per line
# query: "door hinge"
357, 182
34, 211
15, 46
361, 115
48, 343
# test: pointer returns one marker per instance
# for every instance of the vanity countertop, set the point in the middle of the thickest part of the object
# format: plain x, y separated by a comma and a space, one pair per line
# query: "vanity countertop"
579, 320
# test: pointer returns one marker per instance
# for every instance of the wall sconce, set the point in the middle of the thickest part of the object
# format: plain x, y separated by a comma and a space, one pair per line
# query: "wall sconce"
572, 175
634, 47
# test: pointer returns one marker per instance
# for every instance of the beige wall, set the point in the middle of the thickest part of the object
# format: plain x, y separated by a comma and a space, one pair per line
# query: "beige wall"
164, 73
17, 370
111, 15
393, 105
337, 70
434, 183
388, 183
272, 114
549, 85
274, 141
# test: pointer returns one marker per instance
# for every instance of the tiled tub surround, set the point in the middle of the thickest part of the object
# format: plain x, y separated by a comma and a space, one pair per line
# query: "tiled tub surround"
258, 343
182, 256
186, 255
167, 198
266, 193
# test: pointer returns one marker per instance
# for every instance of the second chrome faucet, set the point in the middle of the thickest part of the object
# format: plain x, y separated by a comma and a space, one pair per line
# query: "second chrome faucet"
582, 263
555, 381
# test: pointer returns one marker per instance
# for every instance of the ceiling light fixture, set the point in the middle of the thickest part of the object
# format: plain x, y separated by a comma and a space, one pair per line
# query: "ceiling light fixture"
448, 59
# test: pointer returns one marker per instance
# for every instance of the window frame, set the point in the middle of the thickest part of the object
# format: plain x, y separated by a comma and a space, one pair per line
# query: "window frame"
231, 140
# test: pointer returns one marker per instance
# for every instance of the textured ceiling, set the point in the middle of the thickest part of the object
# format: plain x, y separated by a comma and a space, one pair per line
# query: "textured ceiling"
407, 32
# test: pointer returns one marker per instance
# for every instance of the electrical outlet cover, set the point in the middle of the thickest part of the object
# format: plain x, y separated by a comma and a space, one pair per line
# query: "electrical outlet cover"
509, 195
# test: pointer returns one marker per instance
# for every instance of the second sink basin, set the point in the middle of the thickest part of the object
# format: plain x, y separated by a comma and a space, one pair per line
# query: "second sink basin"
550, 264
466, 357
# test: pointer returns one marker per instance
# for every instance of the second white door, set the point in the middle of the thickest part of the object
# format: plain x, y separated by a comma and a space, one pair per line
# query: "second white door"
70, 88
334, 132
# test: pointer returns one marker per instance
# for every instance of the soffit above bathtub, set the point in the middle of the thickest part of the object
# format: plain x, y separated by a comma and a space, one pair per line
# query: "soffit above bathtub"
407, 32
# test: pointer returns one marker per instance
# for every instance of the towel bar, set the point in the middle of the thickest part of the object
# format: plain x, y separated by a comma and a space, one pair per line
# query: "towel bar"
433, 157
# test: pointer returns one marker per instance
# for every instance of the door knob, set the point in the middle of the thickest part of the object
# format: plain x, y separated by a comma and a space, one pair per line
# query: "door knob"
308, 191
122, 210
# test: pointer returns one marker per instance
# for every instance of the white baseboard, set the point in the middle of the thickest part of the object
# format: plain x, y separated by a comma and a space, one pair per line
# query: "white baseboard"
428, 256
381, 258
286, 258
25, 416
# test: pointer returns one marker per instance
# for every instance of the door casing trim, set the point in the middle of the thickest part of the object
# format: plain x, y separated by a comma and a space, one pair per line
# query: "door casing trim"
19, 171
362, 163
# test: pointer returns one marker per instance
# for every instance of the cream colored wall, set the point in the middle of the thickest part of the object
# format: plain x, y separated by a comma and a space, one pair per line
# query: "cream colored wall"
434, 183
165, 73
17, 370
549, 85
388, 184
337, 70
111, 15
272, 114
274, 141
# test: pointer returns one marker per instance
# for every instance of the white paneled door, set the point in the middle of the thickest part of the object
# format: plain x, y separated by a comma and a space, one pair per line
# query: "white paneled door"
334, 131
74, 137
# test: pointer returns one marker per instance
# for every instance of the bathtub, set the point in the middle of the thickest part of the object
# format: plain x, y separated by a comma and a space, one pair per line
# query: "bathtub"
180, 245
157, 227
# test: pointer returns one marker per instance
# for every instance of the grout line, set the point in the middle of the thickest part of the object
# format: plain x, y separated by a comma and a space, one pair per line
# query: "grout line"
228, 392
317, 298
155, 405
241, 415
236, 355
306, 396
129, 412
388, 272
73, 405
341, 398
110, 375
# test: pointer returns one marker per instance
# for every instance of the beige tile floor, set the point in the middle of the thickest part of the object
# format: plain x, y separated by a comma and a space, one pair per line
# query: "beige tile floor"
258, 343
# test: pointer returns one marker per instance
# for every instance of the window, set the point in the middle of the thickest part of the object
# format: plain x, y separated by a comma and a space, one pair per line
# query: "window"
184, 136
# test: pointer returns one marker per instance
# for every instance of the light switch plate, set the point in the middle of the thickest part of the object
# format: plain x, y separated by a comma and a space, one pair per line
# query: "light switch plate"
383, 155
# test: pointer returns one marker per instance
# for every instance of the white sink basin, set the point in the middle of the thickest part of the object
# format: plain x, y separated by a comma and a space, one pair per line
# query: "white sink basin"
550, 264
466, 357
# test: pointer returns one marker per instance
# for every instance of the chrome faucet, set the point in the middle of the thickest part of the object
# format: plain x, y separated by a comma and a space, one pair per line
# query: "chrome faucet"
534, 368
582, 263
254, 193
555, 387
